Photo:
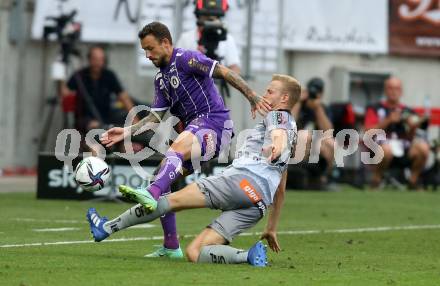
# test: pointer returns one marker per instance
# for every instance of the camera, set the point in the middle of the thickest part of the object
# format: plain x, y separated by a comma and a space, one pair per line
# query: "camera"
208, 13
315, 86
67, 33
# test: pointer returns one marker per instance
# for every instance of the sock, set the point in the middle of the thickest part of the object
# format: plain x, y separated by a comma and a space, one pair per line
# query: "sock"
170, 171
222, 254
136, 215
170, 239
168, 222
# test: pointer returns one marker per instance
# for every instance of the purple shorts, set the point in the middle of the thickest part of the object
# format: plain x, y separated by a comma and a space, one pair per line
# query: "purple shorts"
214, 133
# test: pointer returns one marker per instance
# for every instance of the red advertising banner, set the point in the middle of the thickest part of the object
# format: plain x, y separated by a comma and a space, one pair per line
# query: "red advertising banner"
414, 27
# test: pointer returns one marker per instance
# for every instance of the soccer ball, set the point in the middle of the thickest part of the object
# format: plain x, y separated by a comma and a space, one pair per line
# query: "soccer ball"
92, 173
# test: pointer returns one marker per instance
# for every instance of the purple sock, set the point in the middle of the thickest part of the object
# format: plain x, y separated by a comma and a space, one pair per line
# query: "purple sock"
168, 222
168, 173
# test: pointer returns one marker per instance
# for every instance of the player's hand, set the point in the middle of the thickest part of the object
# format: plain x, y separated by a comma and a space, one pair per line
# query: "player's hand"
272, 240
113, 136
304, 95
260, 104
314, 104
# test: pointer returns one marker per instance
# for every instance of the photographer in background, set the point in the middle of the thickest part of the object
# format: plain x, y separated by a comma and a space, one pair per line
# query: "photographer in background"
227, 50
311, 114
211, 37
96, 88
400, 124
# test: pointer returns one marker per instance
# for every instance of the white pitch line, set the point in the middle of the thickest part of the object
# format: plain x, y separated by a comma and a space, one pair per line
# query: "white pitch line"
81, 242
289, 232
48, 220
144, 225
55, 229
61, 229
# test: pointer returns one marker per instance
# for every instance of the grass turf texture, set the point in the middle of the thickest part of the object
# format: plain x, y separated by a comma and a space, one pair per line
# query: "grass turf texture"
402, 257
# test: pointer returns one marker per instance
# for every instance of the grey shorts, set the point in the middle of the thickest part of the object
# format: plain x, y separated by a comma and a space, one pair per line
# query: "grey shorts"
238, 196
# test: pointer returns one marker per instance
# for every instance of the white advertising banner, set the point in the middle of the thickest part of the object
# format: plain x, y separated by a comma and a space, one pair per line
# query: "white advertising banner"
113, 21
149, 11
342, 25
264, 36
312, 25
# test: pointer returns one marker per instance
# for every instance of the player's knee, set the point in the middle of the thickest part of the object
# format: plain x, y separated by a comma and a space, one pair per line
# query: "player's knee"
192, 253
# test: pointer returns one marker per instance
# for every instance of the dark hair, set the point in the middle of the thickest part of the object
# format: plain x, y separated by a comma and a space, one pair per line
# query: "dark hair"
158, 30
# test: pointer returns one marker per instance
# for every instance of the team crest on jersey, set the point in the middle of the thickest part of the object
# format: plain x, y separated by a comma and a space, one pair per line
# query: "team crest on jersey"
173, 67
196, 64
278, 118
175, 82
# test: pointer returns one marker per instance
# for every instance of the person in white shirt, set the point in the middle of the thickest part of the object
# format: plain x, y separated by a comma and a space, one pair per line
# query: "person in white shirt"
227, 50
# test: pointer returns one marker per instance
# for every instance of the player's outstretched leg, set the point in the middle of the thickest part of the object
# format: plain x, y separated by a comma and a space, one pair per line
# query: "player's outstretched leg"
168, 173
102, 228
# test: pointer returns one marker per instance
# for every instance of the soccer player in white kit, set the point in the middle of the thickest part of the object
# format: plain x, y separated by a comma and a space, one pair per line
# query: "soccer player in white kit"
255, 180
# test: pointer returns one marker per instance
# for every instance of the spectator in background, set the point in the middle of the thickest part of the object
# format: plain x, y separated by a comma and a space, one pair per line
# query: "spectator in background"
311, 114
400, 124
227, 50
96, 88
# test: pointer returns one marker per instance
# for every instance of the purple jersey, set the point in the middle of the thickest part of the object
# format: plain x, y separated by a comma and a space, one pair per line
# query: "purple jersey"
185, 86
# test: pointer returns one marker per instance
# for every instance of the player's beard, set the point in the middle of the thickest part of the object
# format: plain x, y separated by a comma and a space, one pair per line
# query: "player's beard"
160, 63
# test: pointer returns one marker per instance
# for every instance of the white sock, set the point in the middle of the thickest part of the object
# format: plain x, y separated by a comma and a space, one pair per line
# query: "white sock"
136, 215
222, 254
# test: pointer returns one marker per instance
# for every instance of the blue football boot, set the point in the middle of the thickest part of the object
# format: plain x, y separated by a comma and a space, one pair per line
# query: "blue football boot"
97, 225
257, 255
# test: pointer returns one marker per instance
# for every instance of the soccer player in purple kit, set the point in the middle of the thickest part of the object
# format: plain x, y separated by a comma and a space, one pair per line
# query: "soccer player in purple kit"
185, 87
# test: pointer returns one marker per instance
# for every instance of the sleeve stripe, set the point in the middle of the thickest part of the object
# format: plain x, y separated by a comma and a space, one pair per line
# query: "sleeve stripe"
212, 68
160, 108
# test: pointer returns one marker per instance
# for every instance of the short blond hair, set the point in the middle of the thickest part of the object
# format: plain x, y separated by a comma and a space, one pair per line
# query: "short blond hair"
291, 85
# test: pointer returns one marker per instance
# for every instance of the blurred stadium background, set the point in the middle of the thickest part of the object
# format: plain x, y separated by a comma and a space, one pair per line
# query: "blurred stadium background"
352, 46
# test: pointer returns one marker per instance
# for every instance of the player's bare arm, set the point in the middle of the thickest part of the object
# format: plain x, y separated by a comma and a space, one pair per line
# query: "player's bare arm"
257, 102
270, 232
117, 134
146, 123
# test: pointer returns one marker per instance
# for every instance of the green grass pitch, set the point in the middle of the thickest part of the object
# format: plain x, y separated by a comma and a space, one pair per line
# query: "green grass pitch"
346, 245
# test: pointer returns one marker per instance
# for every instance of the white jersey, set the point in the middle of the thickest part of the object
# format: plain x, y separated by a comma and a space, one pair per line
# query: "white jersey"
250, 156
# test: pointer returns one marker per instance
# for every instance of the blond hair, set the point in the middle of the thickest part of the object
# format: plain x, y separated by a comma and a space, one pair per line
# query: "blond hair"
290, 85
